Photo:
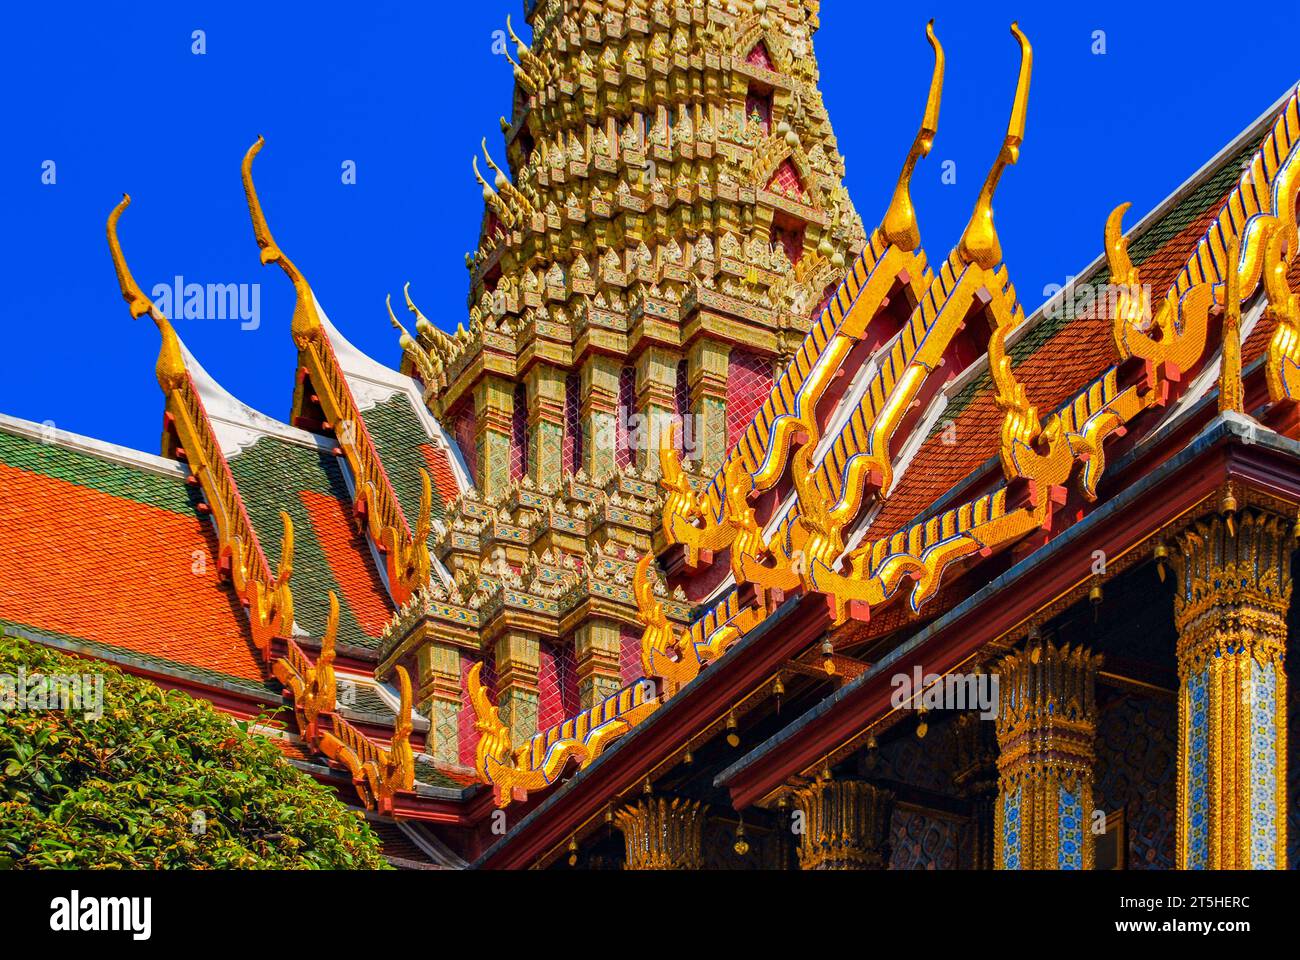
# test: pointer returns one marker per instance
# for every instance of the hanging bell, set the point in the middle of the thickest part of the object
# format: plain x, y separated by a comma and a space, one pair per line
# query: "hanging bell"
742, 845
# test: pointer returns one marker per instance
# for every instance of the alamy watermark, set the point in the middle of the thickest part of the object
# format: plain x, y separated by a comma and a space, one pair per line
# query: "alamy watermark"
53, 691
953, 691
1097, 301
210, 301
644, 431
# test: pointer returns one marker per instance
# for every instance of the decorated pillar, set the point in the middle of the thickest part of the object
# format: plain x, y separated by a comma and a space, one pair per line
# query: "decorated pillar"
662, 833
1046, 729
976, 779
656, 399
518, 662
597, 645
545, 423
441, 699
599, 412
845, 825
1233, 588
494, 404
706, 366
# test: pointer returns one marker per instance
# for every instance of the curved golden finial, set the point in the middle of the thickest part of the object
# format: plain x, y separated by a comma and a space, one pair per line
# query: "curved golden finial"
500, 178
494, 736
1282, 369
306, 324
401, 773
521, 75
649, 608
749, 537
424, 520
1132, 308
899, 225
520, 47
1280, 298
422, 325
488, 193
171, 359
331, 633
1116, 244
284, 571
326, 686
817, 538
979, 241
410, 346
1231, 393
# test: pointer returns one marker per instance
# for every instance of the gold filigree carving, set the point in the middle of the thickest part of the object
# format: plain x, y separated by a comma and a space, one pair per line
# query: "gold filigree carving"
539, 763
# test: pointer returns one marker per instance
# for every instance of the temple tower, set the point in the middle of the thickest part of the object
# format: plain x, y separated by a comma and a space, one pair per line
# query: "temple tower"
666, 219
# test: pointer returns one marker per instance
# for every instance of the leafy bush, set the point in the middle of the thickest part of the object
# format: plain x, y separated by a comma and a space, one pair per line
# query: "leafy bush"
160, 780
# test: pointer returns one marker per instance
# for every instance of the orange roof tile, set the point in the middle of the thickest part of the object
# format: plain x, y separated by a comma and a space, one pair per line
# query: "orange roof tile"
90, 565
349, 560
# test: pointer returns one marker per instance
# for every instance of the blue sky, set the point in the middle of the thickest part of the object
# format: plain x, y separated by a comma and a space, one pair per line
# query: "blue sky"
118, 100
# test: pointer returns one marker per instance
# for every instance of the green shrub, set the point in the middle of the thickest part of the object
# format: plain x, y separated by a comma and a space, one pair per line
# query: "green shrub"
160, 780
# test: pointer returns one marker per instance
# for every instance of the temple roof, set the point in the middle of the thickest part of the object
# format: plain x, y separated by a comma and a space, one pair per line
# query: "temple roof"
104, 550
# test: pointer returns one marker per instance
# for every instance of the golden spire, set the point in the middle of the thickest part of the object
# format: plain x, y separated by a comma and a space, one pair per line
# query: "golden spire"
899, 226
306, 325
171, 360
1231, 394
979, 242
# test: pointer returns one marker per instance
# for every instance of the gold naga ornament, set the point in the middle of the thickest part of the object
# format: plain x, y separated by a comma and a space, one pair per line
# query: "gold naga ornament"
515, 772
1173, 340
313, 685
378, 773
266, 595
406, 554
1283, 366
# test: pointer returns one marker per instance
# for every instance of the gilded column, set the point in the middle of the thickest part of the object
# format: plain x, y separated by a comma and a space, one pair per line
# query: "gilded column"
1046, 728
599, 410
845, 825
597, 644
1233, 588
706, 366
518, 663
494, 403
662, 833
656, 399
440, 699
545, 385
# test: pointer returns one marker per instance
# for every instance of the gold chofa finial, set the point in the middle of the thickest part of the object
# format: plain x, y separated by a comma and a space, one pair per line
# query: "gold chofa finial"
306, 325
899, 226
171, 361
979, 242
